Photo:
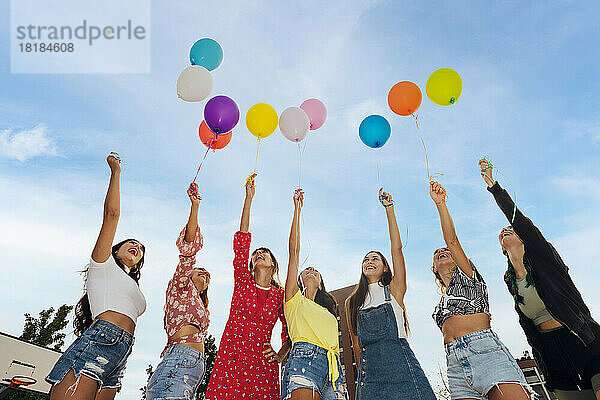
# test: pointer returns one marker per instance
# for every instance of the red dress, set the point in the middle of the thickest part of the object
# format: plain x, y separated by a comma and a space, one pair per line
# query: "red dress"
241, 371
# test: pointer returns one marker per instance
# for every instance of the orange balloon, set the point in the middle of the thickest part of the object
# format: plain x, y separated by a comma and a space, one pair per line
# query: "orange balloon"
209, 138
404, 98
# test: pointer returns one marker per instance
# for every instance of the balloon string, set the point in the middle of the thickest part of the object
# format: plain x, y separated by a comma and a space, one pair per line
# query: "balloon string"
430, 177
416, 119
256, 161
299, 166
378, 177
214, 138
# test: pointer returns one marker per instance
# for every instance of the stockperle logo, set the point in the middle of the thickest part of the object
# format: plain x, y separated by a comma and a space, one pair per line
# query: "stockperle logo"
112, 36
85, 32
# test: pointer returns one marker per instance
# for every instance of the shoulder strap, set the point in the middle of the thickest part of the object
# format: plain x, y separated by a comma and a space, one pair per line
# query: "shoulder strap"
386, 290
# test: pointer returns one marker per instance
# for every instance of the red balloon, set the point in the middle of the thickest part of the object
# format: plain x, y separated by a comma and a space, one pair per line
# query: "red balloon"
209, 138
404, 98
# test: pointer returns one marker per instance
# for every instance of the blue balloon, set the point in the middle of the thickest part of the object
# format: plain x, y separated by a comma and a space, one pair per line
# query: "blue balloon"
374, 131
207, 53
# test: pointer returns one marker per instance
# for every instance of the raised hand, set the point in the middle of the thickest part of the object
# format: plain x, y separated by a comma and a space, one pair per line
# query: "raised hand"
385, 198
250, 186
193, 194
298, 198
114, 162
437, 192
486, 171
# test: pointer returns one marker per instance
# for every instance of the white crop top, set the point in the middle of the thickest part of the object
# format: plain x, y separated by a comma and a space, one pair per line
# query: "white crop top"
376, 297
110, 288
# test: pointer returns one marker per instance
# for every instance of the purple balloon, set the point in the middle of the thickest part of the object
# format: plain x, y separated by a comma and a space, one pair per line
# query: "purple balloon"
221, 114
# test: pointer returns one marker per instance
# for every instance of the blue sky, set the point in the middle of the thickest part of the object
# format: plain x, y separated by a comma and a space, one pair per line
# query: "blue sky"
530, 103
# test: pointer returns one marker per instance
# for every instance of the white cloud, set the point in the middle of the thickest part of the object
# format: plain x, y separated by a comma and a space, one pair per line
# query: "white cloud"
26, 144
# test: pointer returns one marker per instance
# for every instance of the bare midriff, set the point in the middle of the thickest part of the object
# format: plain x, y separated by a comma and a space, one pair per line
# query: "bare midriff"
548, 325
457, 326
118, 319
186, 331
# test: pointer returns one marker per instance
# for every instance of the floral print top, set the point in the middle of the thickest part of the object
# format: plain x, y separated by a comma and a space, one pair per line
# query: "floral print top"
183, 304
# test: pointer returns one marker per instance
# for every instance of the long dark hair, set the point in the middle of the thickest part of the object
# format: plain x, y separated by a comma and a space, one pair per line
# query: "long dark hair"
322, 298
275, 274
510, 278
83, 313
358, 296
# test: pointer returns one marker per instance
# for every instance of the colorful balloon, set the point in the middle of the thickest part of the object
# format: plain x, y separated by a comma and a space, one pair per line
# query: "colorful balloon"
374, 131
404, 98
444, 87
294, 124
207, 53
261, 120
316, 111
211, 139
194, 83
221, 114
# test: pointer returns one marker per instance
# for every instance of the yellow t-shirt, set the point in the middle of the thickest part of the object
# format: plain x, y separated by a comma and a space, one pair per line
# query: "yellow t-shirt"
309, 322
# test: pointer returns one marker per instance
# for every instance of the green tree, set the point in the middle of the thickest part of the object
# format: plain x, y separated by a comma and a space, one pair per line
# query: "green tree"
149, 372
210, 352
46, 330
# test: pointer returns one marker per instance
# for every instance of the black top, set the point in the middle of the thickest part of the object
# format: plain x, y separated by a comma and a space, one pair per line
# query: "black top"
551, 279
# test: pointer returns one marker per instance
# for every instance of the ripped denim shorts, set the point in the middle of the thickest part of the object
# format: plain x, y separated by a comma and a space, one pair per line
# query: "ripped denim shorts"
99, 353
178, 375
307, 367
478, 362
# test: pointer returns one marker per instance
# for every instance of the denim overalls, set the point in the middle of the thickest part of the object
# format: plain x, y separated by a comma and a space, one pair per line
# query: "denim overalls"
388, 369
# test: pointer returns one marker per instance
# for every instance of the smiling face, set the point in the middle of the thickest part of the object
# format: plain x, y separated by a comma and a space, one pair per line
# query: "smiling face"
373, 267
310, 278
261, 259
508, 238
443, 263
130, 253
201, 279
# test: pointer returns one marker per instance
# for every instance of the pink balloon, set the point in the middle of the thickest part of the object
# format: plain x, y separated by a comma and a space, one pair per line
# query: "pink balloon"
316, 111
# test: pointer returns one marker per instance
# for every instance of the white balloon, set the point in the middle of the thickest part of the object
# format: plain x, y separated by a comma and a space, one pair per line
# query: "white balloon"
194, 83
294, 123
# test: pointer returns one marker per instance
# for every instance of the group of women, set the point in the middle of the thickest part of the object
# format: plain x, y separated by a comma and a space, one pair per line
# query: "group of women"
558, 325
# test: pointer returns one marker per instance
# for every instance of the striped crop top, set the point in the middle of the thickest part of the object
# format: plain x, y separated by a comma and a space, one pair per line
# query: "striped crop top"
463, 296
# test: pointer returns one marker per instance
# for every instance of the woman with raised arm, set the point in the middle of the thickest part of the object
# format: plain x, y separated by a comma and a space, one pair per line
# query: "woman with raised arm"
387, 367
106, 315
247, 366
186, 318
478, 364
559, 327
313, 370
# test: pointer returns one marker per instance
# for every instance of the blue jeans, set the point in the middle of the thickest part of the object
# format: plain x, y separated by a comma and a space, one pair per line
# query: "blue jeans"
99, 353
178, 374
479, 361
307, 367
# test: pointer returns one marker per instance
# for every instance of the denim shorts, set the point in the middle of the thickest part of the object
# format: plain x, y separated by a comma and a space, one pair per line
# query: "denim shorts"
99, 353
178, 375
307, 367
477, 362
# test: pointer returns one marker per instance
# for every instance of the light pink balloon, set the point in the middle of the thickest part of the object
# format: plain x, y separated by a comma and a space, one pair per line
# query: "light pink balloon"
316, 111
294, 124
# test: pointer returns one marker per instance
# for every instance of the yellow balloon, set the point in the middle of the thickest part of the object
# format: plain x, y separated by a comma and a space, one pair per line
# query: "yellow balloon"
261, 120
444, 87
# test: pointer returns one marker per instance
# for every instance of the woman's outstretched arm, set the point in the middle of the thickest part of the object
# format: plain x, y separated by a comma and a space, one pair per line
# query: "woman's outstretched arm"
291, 284
112, 210
398, 284
438, 195
250, 189
192, 224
